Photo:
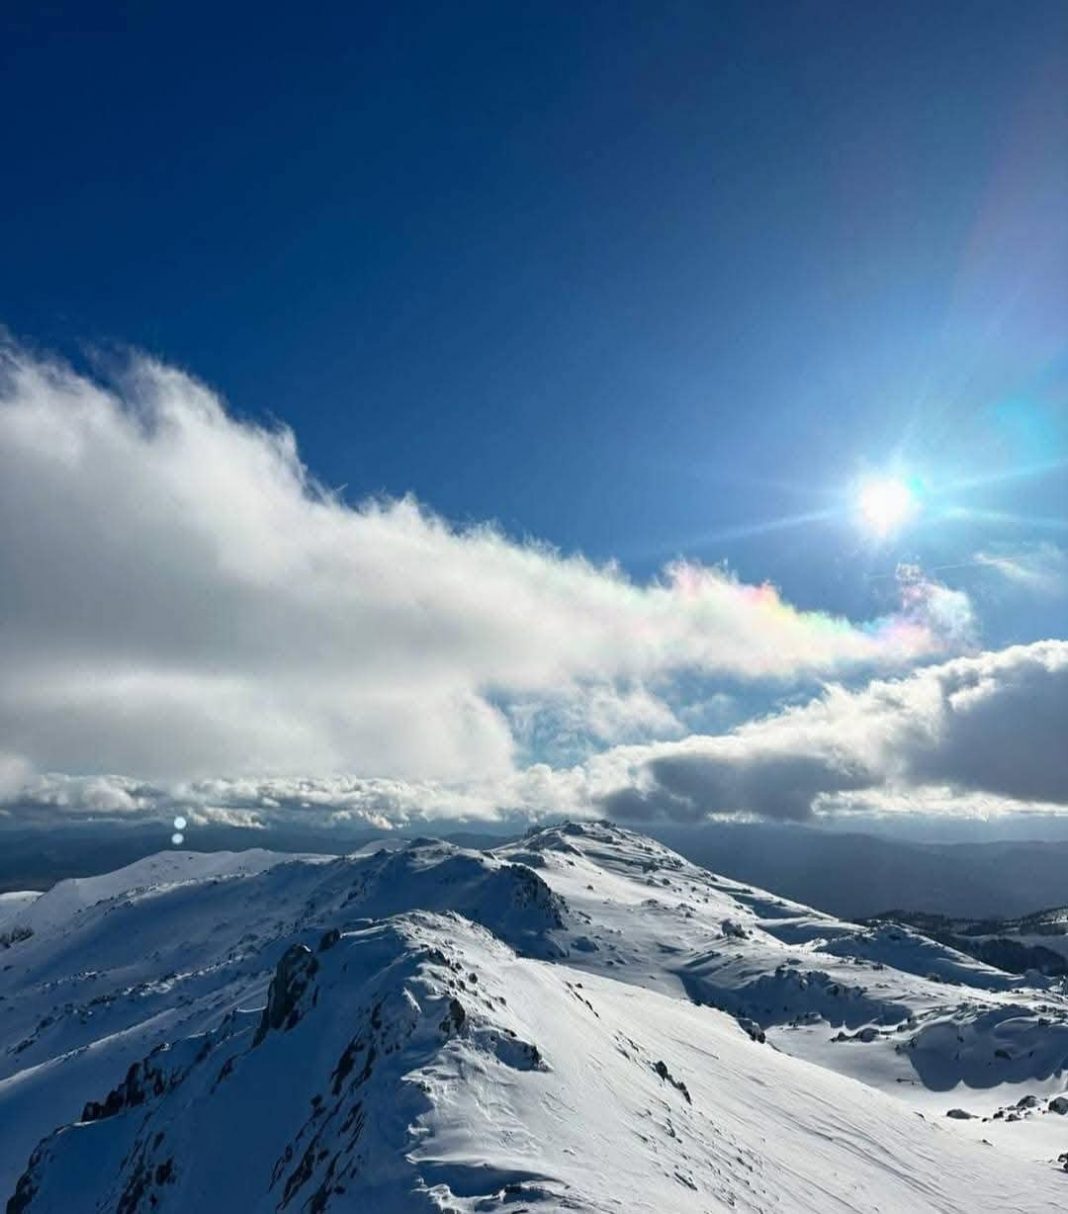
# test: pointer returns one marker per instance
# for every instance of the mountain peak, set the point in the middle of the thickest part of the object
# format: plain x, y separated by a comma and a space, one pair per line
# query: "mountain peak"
578, 1020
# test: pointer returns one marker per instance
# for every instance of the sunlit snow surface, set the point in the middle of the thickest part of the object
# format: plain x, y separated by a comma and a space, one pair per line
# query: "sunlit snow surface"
553, 1025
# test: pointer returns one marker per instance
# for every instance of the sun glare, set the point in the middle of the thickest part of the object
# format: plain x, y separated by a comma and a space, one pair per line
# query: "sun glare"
885, 504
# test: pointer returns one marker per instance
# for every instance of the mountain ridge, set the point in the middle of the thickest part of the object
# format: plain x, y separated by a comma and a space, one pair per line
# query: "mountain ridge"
604, 999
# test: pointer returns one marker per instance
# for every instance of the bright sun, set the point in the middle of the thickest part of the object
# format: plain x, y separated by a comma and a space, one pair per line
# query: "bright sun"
885, 504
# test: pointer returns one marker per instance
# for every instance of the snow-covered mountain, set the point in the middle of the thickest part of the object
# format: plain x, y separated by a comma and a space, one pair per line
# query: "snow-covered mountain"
581, 1020
1038, 942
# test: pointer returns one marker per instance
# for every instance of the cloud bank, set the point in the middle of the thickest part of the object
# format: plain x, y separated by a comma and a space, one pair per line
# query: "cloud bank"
183, 602
987, 731
978, 736
185, 605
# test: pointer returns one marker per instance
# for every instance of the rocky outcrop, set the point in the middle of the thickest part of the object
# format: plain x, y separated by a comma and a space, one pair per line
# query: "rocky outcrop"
292, 976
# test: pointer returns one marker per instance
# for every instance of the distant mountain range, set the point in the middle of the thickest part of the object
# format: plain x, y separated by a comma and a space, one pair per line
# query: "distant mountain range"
850, 874
861, 875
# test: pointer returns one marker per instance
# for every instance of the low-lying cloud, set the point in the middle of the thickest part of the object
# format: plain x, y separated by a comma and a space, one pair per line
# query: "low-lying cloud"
990, 726
182, 601
979, 736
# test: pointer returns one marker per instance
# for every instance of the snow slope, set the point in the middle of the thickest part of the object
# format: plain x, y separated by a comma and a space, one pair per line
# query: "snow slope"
13, 903
68, 898
1038, 941
569, 1022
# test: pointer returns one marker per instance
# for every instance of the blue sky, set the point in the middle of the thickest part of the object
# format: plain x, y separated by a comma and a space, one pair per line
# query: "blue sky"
639, 281
609, 275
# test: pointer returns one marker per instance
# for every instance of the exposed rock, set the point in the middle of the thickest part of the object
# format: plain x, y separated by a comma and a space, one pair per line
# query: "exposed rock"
661, 1069
454, 1019
329, 939
291, 978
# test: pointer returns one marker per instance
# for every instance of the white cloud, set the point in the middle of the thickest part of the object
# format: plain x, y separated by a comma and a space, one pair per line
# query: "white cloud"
14, 774
182, 601
987, 729
1041, 569
949, 612
338, 802
564, 726
978, 736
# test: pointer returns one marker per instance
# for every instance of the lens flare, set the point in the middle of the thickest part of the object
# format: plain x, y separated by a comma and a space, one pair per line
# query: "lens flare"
885, 504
